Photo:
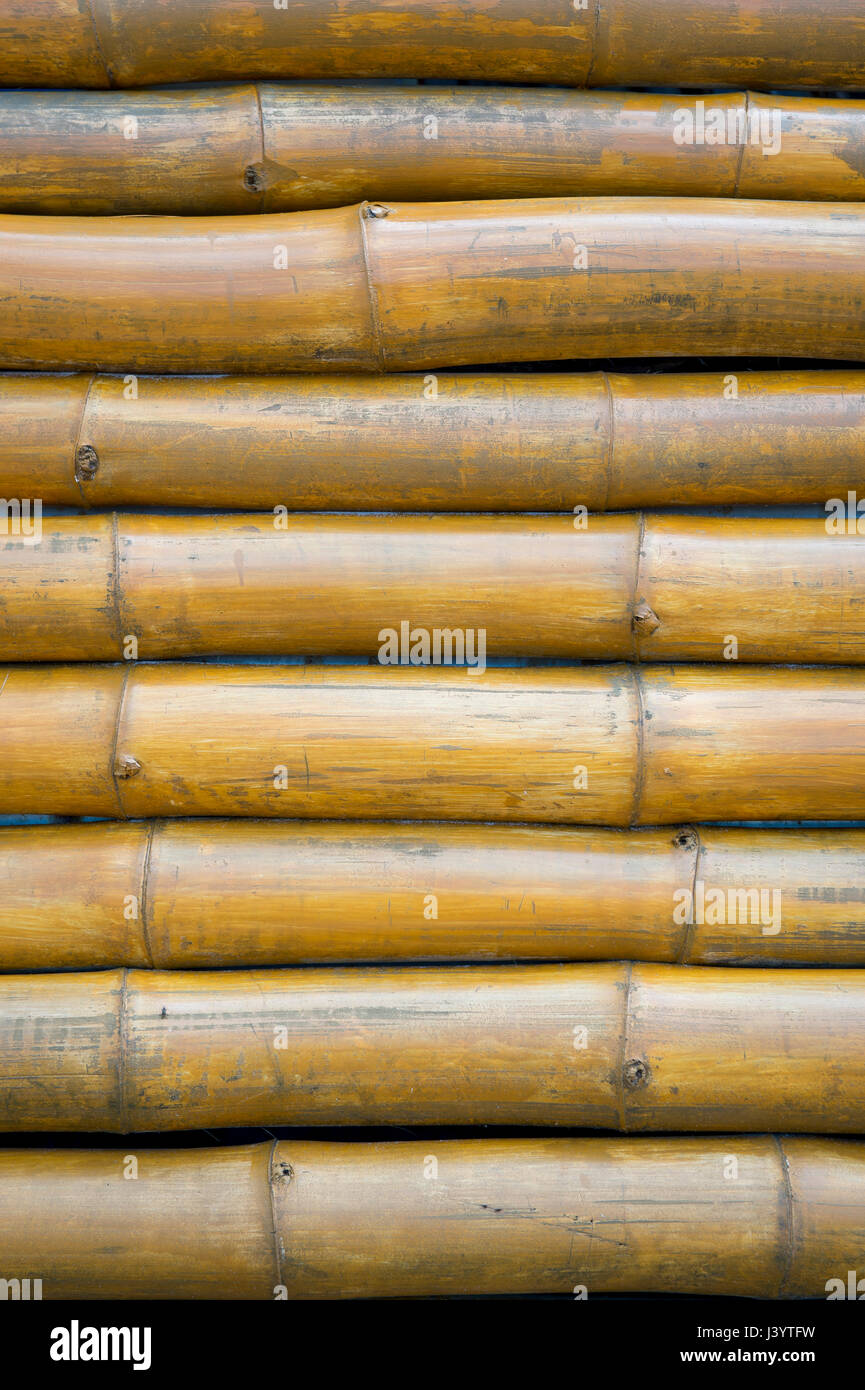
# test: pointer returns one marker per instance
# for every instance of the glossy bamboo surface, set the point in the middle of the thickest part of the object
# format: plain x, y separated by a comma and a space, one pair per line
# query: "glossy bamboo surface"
207, 894
424, 285
448, 442
641, 587
609, 745
747, 1215
282, 148
118, 43
615, 1046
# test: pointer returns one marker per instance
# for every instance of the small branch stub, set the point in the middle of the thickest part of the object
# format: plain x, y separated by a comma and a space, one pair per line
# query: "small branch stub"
253, 179
645, 621
86, 462
636, 1074
126, 766
377, 210
686, 839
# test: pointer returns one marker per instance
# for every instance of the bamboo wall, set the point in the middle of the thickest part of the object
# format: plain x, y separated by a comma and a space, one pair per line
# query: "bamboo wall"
432, 627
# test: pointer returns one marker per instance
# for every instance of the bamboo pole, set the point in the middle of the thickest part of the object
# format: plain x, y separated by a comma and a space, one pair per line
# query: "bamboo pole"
747, 1215
641, 587
613, 1046
609, 745
514, 442
618, 43
281, 148
190, 894
410, 286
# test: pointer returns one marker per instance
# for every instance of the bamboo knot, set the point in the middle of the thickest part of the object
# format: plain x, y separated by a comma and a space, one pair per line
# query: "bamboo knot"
126, 766
86, 462
636, 1074
645, 621
253, 179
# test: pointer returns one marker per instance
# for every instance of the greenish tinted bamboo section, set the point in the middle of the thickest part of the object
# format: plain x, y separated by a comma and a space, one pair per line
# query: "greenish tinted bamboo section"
418, 286
744, 1215
519, 441
617, 43
281, 148
603, 1046
182, 895
641, 586
601, 745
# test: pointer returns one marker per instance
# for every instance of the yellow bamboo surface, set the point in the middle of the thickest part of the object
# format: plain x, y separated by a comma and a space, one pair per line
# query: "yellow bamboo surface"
747, 1215
615, 1046
642, 587
128, 43
425, 285
516, 442
609, 745
207, 894
280, 148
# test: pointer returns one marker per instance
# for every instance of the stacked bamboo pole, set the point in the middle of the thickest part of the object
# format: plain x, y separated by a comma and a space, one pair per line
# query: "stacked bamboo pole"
601, 745
280, 148
515, 442
743, 1215
412, 286
616, 43
601, 1046
179, 895
641, 587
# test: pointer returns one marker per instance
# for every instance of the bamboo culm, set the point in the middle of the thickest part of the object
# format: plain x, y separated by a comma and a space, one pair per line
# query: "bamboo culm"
456, 442
616, 43
608, 745
282, 148
628, 587
611, 1046
759, 1216
420, 286
208, 894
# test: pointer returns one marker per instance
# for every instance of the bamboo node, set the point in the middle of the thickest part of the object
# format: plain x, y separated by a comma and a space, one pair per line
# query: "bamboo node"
636, 1074
126, 766
86, 462
645, 620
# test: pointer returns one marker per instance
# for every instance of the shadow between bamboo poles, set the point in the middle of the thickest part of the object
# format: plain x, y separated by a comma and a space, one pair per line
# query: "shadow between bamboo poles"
618, 43
746, 1215
282, 148
421, 286
610, 1046
418, 589
608, 745
206, 894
